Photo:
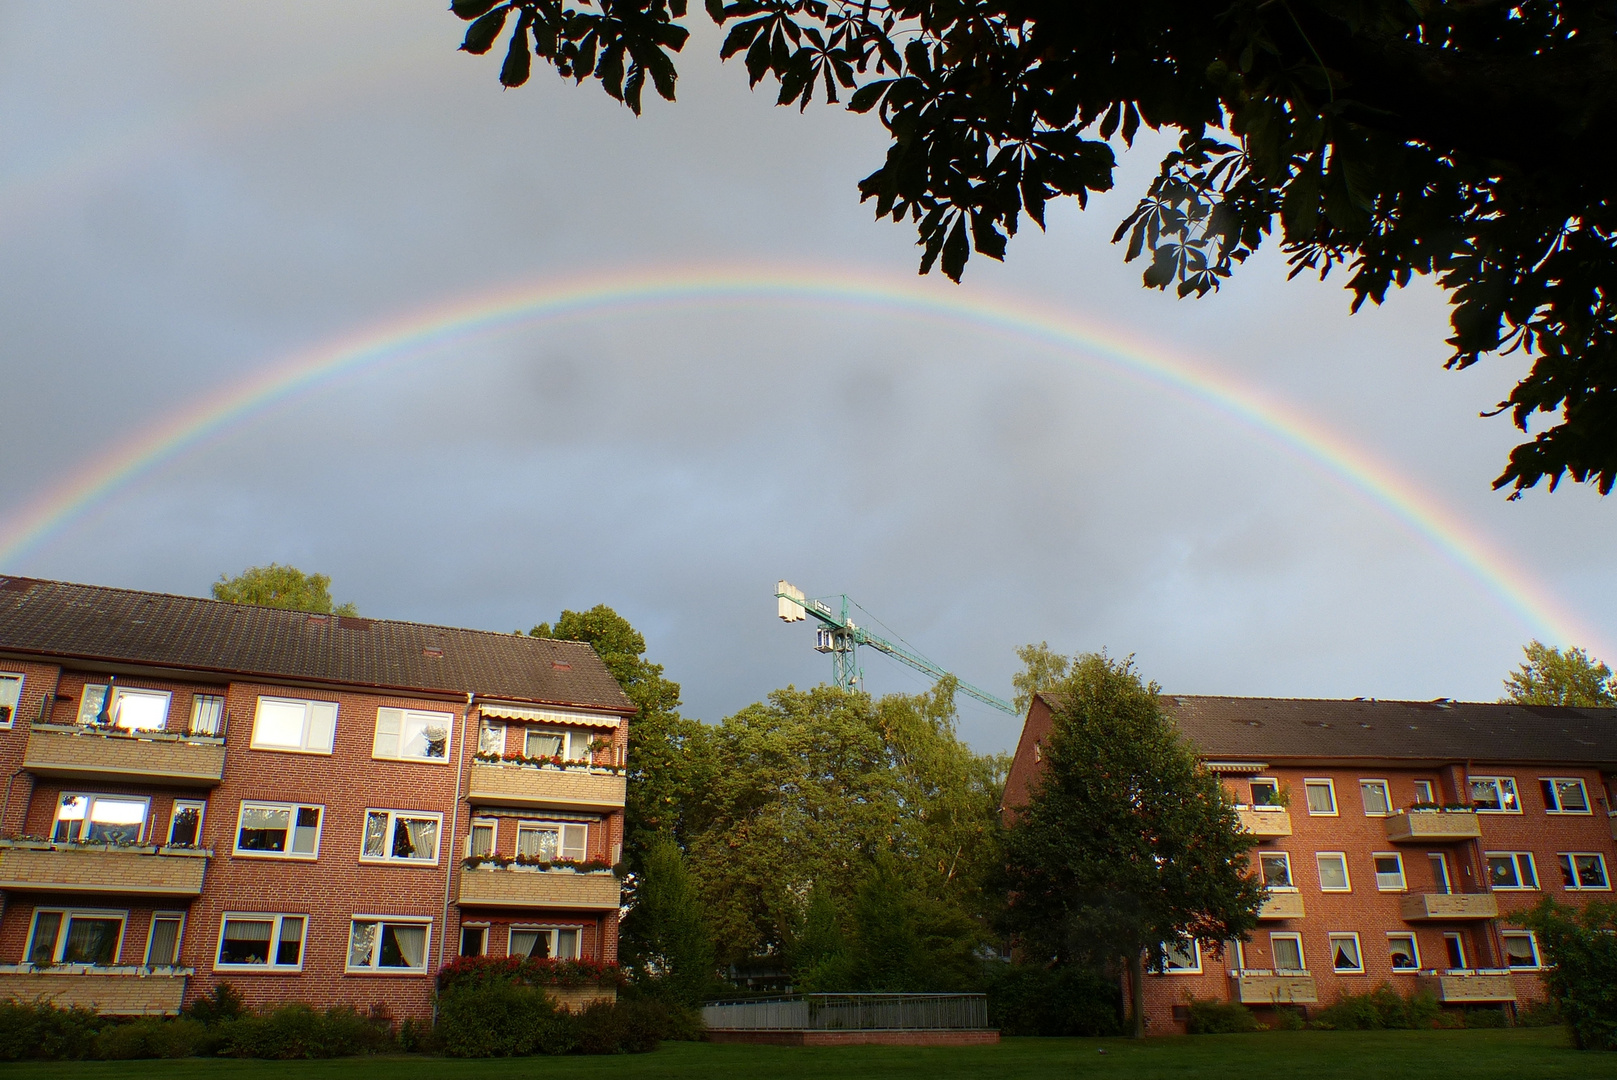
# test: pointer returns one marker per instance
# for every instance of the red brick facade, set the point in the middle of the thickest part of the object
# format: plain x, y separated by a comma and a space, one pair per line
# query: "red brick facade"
1329, 907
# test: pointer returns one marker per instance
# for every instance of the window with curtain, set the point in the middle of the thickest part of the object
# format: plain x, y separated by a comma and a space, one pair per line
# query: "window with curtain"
491, 737
401, 836
207, 715
185, 823
386, 945
285, 830
530, 942
76, 937
261, 941
93, 704
552, 841
481, 840
101, 819
163, 943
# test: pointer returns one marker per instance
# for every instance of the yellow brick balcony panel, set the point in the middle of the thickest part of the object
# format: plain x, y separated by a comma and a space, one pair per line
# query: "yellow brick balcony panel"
1422, 907
137, 871
1282, 905
1265, 823
119, 991
1469, 987
564, 789
1272, 988
560, 889
69, 753
1432, 826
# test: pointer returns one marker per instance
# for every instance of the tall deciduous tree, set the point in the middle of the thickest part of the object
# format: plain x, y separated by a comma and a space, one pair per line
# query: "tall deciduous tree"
666, 940
279, 586
1127, 843
1552, 677
1042, 668
1451, 138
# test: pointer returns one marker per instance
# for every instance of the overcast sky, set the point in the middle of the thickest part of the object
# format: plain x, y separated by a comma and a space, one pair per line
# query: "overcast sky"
192, 193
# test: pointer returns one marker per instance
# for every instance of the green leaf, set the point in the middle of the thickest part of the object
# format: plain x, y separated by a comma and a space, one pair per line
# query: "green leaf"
985, 237
518, 60
471, 9
956, 249
865, 98
715, 11
480, 36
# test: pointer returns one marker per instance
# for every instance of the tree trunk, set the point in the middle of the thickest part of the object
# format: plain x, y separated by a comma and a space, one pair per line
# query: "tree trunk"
1136, 969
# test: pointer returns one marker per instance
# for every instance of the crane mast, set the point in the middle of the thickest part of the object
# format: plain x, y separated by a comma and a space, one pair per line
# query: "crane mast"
840, 636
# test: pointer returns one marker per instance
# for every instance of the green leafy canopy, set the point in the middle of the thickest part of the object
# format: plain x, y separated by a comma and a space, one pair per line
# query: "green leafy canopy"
279, 586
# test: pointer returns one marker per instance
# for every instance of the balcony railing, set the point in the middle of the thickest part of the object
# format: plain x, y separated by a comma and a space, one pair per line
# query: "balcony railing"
1265, 821
514, 887
1282, 905
115, 991
1432, 826
1460, 987
572, 788
75, 753
1423, 907
1274, 987
41, 866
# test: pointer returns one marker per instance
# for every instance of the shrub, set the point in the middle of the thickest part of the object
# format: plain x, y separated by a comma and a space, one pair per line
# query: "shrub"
526, 971
1580, 954
1539, 1014
1032, 999
629, 1027
500, 1019
1288, 1018
1380, 1008
40, 1031
296, 1031
221, 1005
1218, 1018
1485, 1018
149, 1037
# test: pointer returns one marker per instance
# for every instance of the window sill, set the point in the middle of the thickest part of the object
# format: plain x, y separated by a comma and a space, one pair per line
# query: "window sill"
289, 750
256, 969
413, 760
413, 973
275, 856
412, 864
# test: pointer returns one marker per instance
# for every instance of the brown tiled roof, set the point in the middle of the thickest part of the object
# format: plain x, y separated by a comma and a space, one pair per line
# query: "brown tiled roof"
121, 626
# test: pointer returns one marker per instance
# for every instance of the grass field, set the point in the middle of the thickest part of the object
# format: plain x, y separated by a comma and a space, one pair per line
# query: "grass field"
1521, 1054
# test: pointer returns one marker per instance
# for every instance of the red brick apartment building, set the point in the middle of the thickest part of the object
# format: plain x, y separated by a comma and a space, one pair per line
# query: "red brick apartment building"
313, 808
1396, 837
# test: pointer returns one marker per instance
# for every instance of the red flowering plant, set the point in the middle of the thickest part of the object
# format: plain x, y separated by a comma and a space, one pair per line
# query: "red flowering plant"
535, 862
553, 761
526, 971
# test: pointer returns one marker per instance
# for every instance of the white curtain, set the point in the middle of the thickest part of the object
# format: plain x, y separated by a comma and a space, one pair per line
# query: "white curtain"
412, 944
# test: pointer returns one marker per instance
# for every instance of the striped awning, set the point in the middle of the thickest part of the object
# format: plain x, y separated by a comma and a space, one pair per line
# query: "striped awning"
535, 715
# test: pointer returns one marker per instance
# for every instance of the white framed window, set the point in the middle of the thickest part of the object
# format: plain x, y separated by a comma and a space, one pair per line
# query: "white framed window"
1182, 957
207, 715
10, 697
1424, 792
1276, 868
1346, 959
185, 822
480, 840
401, 836
139, 710
279, 830
1404, 952
1565, 795
1333, 871
1439, 863
1287, 950
1373, 793
101, 819
491, 737
1454, 946
569, 744
412, 735
1521, 950
1511, 870
76, 936
387, 944
295, 726
1389, 871
163, 941
261, 941
92, 705
1495, 795
474, 940
1265, 793
552, 841
1321, 795
1583, 870
545, 942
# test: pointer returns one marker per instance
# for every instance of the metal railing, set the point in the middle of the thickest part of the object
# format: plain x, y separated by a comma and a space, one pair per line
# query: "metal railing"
850, 1012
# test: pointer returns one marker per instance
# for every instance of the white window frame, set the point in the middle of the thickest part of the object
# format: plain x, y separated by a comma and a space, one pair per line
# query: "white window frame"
1532, 941
480, 928
11, 684
1515, 858
1425, 791
277, 920
382, 922
179, 936
569, 739
119, 693
1274, 954
1572, 858
1434, 859
174, 813
1386, 797
387, 837
60, 944
1264, 807
1499, 783
1330, 786
1403, 878
401, 717
195, 721
85, 718
1553, 794
145, 824
291, 831
1358, 947
1414, 951
1284, 856
561, 827
1459, 942
493, 827
552, 931
308, 742
486, 735
1319, 869
1193, 947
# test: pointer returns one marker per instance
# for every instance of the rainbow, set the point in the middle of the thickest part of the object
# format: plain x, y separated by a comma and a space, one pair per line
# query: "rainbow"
64, 501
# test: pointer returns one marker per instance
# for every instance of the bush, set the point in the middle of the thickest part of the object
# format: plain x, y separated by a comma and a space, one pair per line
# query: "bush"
1032, 999
149, 1037
1218, 1018
1379, 1009
297, 1031
221, 1005
1288, 1018
500, 1019
606, 1027
526, 971
40, 1031
1539, 1014
1485, 1018
1580, 955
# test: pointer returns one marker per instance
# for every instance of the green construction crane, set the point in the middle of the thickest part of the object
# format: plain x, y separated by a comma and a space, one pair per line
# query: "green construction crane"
841, 637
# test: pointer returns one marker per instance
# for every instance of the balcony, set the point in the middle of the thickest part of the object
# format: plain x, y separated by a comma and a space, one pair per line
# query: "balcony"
1465, 987
1432, 826
1425, 907
1265, 822
1282, 905
516, 888
115, 991
1274, 988
40, 866
1611, 816
73, 753
561, 789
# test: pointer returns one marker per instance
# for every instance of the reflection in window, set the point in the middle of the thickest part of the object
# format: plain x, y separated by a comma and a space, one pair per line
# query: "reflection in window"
100, 819
75, 937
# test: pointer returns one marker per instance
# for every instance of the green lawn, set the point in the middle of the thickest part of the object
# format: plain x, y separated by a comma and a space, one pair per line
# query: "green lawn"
1539, 1054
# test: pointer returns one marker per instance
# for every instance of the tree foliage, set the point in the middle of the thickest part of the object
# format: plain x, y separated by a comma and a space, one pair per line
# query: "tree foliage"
1453, 138
1127, 843
1552, 677
666, 941
1580, 957
1042, 668
279, 586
